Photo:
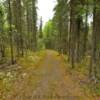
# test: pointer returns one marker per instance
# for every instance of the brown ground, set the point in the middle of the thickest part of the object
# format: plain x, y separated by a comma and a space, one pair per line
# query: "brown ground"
50, 80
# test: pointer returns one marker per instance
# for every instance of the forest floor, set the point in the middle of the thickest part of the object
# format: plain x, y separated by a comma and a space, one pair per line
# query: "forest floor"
49, 78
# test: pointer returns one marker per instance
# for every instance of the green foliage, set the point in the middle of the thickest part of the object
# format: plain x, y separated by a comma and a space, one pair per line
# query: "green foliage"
41, 44
49, 34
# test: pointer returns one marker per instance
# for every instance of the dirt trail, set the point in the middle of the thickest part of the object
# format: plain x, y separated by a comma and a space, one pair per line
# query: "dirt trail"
52, 82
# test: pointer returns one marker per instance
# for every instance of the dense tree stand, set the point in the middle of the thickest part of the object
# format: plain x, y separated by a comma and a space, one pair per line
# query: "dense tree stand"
29, 46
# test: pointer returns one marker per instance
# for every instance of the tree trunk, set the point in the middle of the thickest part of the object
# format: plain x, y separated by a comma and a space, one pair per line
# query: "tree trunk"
10, 31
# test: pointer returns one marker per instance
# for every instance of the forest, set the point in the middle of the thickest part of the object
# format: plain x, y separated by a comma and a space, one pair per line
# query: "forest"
56, 61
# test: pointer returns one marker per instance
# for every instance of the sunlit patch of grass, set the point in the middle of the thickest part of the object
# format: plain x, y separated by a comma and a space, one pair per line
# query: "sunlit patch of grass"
6, 81
31, 59
65, 58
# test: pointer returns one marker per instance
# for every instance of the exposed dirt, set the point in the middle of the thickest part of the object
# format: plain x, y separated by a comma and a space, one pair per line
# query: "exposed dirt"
50, 80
